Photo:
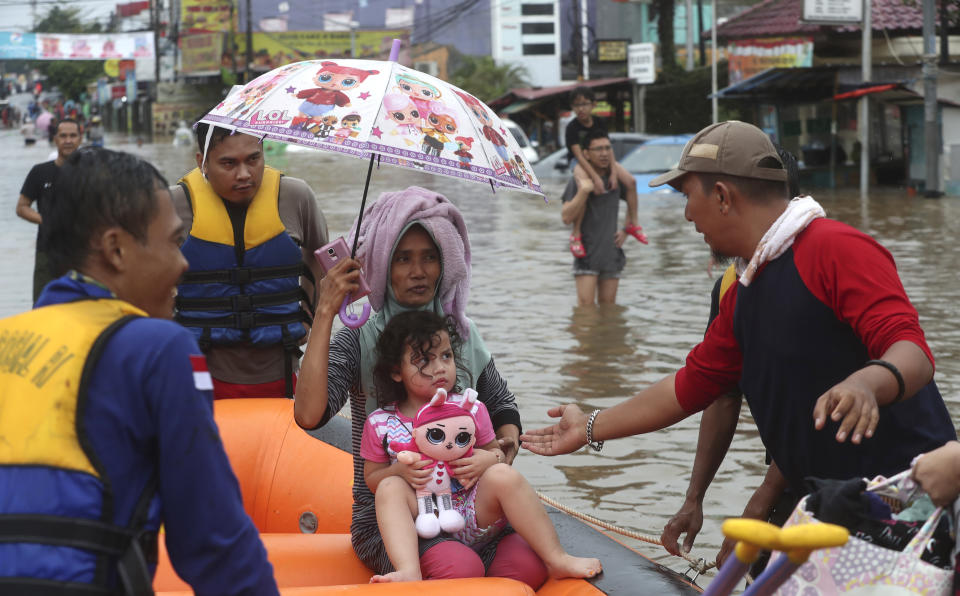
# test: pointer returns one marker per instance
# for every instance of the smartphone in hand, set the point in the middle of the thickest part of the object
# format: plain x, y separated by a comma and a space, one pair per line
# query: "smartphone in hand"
331, 254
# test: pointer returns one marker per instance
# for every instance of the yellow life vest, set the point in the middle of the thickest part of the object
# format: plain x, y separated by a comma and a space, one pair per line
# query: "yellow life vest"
236, 294
263, 214
47, 356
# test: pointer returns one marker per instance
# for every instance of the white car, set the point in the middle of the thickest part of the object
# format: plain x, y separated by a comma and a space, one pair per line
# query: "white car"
555, 167
526, 148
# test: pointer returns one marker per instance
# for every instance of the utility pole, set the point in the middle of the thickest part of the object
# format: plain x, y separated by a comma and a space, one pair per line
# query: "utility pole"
233, 38
155, 25
713, 61
689, 19
246, 76
944, 33
866, 59
931, 132
576, 42
584, 37
703, 52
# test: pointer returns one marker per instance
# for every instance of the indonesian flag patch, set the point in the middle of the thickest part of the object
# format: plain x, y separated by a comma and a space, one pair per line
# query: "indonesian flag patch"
201, 375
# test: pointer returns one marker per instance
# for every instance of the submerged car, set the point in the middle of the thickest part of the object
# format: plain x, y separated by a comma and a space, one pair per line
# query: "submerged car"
557, 168
653, 158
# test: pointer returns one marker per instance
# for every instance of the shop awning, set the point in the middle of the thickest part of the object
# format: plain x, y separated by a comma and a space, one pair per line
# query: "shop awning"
856, 93
518, 106
895, 93
798, 84
534, 95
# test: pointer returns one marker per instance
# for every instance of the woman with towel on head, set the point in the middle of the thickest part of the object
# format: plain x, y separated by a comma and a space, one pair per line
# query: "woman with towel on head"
415, 251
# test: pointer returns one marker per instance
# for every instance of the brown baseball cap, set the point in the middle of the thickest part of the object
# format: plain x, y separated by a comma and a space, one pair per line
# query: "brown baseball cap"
732, 147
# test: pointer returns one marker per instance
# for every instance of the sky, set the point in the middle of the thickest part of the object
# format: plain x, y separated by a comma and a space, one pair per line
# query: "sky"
17, 15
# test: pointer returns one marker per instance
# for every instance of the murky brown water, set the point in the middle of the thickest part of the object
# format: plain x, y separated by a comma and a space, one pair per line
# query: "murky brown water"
552, 352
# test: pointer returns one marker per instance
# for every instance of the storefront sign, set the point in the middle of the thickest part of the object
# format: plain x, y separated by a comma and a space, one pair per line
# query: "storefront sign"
14, 46
207, 16
833, 11
271, 50
641, 63
612, 50
201, 53
751, 56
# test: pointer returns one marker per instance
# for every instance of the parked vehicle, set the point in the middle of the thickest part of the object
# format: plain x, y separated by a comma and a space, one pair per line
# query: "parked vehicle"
556, 168
653, 158
529, 151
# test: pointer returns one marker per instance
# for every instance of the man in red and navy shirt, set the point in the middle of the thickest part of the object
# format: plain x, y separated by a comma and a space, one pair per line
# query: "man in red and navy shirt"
819, 333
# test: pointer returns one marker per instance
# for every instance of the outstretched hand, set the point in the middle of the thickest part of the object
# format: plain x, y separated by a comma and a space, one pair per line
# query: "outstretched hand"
854, 405
566, 436
689, 521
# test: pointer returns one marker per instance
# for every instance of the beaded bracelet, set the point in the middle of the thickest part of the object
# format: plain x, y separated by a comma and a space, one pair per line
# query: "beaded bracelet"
595, 445
901, 386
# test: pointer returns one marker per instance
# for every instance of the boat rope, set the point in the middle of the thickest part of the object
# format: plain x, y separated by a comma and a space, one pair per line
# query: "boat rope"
698, 565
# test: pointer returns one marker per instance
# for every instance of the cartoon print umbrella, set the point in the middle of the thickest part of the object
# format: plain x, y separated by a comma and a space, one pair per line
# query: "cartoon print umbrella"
382, 110
366, 107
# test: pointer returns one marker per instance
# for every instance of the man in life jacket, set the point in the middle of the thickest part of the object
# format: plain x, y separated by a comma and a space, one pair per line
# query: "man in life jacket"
107, 422
252, 234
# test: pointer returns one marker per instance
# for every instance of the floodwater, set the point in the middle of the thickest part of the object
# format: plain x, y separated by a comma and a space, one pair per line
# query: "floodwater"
552, 352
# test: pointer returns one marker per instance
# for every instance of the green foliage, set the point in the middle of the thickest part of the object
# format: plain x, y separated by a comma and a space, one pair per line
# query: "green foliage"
679, 102
481, 76
70, 76
63, 19
663, 11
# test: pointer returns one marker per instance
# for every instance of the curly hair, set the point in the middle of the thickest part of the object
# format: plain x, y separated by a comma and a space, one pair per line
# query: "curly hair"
420, 330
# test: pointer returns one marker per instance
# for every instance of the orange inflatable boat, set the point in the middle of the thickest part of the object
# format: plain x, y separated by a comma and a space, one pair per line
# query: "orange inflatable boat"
297, 490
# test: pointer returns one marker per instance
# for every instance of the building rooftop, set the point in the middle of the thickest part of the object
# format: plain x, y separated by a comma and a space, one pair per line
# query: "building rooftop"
782, 17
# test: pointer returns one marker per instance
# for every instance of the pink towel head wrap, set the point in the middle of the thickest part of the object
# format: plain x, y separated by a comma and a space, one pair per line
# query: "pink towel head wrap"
385, 219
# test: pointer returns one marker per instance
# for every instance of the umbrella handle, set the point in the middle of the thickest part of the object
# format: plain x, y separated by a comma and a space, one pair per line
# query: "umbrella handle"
351, 320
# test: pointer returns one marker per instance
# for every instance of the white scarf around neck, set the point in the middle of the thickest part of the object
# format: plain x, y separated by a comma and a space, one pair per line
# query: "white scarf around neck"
795, 218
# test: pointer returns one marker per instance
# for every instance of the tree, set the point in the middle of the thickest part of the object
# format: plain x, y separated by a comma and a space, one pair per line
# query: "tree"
663, 10
70, 76
481, 76
63, 19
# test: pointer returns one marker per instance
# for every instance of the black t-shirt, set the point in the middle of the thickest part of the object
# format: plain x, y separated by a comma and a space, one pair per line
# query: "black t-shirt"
38, 188
576, 132
41, 176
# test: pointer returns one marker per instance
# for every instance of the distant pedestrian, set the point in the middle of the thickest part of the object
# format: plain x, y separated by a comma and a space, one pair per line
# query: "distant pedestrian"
597, 270
37, 188
95, 132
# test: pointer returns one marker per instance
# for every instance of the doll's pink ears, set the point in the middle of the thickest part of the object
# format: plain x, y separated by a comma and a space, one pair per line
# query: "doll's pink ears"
469, 400
439, 398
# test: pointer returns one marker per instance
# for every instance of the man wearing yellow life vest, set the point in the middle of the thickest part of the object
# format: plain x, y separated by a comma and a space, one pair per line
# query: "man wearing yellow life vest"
107, 421
252, 234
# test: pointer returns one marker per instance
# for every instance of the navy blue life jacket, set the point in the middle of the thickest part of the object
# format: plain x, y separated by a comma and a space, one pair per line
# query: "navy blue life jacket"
243, 285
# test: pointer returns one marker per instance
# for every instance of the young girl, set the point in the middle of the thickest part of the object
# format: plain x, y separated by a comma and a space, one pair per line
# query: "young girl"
415, 357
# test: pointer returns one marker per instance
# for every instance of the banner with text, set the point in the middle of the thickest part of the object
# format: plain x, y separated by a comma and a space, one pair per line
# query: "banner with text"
271, 50
207, 16
201, 54
748, 57
94, 46
17, 46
